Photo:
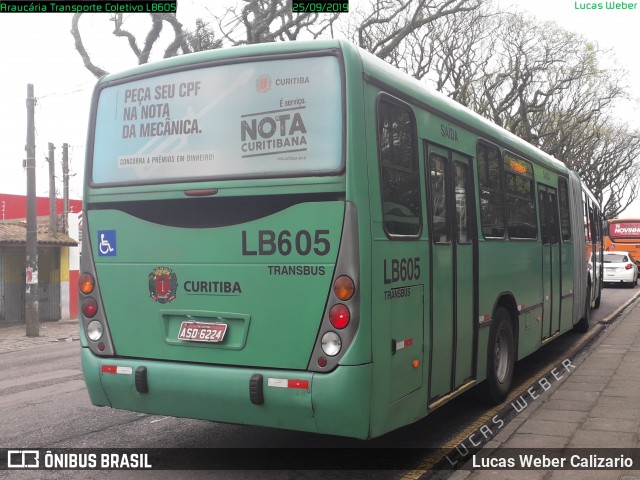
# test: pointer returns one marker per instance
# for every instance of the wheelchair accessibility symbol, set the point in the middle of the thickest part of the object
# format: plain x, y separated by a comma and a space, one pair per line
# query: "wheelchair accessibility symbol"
106, 243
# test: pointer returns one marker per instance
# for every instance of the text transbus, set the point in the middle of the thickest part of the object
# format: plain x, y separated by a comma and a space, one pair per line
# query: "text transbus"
297, 235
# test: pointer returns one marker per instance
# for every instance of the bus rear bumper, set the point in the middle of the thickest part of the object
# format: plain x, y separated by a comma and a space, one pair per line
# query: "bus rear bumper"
336, 403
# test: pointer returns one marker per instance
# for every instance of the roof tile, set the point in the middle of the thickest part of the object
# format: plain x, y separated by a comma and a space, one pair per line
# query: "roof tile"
15, 233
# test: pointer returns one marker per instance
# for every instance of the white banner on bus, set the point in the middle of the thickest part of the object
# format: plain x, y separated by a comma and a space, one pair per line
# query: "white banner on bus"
248, 119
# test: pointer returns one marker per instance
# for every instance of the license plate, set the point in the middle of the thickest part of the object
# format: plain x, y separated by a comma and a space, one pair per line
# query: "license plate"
202, 332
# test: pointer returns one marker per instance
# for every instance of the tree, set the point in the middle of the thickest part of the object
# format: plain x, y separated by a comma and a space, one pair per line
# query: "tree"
449, 52
264, 21
203, 38
259, 21
546, 86
183, 41
606, 157
387, 24
534, 72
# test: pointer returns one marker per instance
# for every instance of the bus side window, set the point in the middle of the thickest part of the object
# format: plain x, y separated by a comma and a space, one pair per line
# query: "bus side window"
438, 180
553, 219
587, 218
565, 223
522, 217
463, 202
544, 225
399, 176
491, 191
592, 223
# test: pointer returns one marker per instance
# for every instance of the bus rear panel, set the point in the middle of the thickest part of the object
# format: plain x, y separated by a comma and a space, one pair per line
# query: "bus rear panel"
220, 254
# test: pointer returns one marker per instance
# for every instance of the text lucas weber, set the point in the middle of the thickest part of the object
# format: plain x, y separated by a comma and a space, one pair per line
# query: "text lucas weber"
604, 6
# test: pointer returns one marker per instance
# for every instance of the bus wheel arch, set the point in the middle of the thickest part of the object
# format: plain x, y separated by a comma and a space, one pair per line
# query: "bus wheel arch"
502, 350
507, 301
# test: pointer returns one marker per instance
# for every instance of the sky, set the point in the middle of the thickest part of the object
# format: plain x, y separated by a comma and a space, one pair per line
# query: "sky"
38, 49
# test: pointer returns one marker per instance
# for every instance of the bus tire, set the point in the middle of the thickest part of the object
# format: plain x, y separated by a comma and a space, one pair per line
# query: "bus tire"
501, 357
582, 326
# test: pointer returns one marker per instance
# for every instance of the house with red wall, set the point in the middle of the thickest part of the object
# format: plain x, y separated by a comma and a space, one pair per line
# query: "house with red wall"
58, 258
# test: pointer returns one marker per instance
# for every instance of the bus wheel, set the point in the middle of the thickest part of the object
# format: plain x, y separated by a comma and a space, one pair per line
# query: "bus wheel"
501, 357
583, 324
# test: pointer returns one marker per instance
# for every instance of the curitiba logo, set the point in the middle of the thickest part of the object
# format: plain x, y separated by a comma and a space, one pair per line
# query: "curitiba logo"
163, 284
263, 84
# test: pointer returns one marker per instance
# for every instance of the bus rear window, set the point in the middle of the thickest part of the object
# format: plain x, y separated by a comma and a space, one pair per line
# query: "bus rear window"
256, 119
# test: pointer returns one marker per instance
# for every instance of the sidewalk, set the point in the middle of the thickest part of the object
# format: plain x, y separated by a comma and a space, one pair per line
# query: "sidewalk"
596, 406
14, 338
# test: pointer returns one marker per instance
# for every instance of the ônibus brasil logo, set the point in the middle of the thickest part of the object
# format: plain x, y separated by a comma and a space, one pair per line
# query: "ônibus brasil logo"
163, 284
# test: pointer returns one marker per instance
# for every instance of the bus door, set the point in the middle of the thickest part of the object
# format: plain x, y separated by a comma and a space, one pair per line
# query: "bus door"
551, 267
453, 250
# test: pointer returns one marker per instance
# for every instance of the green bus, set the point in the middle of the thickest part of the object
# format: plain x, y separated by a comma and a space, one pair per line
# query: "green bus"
297, 235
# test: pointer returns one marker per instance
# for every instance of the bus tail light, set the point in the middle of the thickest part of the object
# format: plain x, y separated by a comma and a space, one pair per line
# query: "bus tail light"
93, 318
86, 283
341, 317
344, 288
89, 307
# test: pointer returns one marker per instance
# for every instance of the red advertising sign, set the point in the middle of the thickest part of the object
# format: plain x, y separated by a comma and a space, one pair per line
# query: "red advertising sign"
624, 230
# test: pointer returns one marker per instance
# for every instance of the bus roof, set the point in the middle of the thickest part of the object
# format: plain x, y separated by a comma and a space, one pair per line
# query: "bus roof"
221, 54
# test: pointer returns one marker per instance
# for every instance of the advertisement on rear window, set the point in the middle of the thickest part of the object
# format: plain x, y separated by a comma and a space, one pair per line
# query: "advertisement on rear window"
624, 230
270, 118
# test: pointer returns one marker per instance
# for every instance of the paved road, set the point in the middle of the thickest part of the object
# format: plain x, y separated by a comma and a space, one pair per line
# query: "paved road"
43, 404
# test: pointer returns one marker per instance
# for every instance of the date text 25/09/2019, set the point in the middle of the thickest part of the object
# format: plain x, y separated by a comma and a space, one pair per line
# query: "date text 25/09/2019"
319, 6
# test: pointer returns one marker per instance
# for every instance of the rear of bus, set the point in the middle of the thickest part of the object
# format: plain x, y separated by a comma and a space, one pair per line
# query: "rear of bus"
220, 256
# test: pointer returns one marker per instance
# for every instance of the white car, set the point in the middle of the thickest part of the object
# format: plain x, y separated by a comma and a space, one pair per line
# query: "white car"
620, 267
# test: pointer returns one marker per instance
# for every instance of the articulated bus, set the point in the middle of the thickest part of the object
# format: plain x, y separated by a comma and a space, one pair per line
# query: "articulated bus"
297, 235
623, 234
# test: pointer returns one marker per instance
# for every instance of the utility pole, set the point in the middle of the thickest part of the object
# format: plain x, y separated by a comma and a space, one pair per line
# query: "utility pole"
31, 273
52, 191
65, 188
